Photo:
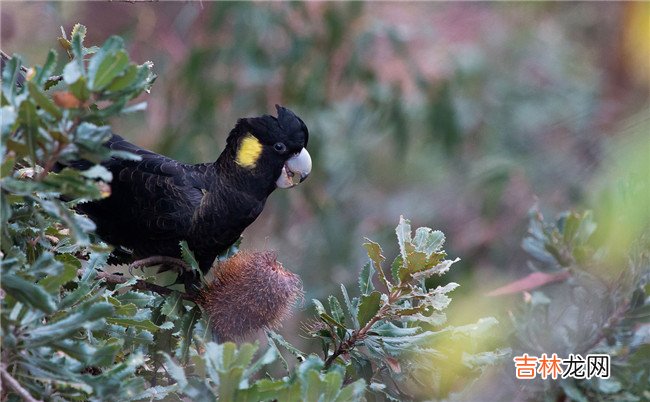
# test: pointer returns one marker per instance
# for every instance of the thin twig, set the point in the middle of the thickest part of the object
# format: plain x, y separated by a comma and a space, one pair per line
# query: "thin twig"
15, 385
612, 321
51, 161
359, 335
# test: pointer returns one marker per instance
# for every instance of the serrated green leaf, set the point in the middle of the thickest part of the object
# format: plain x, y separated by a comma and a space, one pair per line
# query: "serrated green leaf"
71, 182
80, 89
139, 299
336, 310
332, 385
43, 73
123, 309
352, 309
188, 256
640, 314
268, 357
244, 355
415, 261
570, 226
69, 260
7, 121
82, 292
87, 316
51, 82
91, 50
403, 232
267, 389
175, 371
80, 30
572, 391
365, 280
98, 172
91, 137
484, 359
352, 392
172, 306
375, 254
395, 268
87, 354
43, 100
29, 121
324, 315
185, 333
72, 73
100, 69
312, 362
45, 264
390, 330
311, 386
157, 393
368, 307
10, 75
428, 241
275, 337
7, 166
76, 44
439, 269
166, 325
338, 315
124, 80
28, 293
374, 251
134, 323
103, 70
53, 283
79, 225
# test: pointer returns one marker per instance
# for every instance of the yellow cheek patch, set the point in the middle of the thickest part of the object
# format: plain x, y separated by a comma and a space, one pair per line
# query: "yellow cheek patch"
249, 152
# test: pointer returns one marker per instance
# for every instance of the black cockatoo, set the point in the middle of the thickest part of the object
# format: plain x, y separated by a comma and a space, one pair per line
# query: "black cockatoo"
156, 202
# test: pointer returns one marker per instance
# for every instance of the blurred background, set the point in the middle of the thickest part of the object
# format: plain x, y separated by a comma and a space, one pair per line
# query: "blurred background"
459, 116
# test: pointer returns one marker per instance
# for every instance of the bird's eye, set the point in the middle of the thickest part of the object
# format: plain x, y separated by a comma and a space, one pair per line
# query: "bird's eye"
280, 147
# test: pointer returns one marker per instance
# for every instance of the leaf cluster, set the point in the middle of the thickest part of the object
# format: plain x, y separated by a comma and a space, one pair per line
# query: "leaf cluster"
394, 334
603, 307
65, 334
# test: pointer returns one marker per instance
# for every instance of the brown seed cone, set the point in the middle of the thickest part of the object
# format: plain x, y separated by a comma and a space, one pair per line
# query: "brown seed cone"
250, 291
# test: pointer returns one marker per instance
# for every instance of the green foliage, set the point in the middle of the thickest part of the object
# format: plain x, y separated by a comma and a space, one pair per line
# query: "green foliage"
409, 352
604, 307
76, 328
65, 334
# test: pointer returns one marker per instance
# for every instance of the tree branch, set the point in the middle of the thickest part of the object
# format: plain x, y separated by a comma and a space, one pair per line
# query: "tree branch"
359, 335
15, 386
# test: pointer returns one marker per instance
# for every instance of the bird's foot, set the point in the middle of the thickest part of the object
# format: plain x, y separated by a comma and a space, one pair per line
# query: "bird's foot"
164, 260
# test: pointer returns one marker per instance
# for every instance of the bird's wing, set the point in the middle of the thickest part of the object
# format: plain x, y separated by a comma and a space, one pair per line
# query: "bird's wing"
155, 196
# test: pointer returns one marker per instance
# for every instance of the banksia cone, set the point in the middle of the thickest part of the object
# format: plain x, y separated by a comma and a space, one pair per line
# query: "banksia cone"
250, 291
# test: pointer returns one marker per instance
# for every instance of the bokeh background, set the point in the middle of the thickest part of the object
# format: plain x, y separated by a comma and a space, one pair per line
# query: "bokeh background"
459, 116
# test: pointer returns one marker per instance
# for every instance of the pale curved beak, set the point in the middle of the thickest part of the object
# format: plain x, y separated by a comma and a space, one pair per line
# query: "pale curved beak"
297, 167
